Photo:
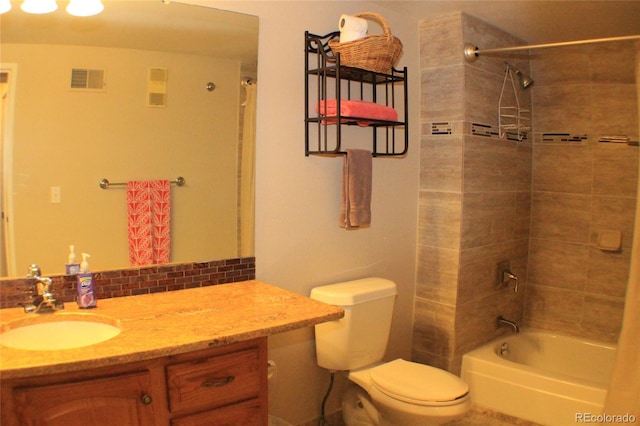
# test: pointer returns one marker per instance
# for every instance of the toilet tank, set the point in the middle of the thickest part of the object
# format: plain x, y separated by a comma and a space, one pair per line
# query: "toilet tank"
360, 338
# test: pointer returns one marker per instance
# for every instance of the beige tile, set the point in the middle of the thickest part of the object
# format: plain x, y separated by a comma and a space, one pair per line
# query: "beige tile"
481, 95
562, 168
615, 170
523, 163
441, 163
614, 109
560, 217
433, 330
602, 317
437, 277
608, 272
602, 55
442, 93
485, 36
476, 321
440, 40
422, 356
488, 218
553, 308
564, 108
557, 66
522, 224
613, 213
520, 253
558, 264
439, 219
489, 164
479, 271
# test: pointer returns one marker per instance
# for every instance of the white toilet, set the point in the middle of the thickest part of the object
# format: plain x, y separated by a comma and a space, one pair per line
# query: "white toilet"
398, 393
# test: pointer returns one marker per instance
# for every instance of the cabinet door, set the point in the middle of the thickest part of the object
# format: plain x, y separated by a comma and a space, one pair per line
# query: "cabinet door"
111, 401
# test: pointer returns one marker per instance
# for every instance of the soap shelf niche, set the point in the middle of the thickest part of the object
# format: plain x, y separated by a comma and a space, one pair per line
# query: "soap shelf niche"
326, 79
513, 120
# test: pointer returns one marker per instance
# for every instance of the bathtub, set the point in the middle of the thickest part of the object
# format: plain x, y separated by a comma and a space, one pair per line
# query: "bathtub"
540, 376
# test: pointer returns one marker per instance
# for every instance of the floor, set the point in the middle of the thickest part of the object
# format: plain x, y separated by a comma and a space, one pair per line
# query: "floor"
479, 416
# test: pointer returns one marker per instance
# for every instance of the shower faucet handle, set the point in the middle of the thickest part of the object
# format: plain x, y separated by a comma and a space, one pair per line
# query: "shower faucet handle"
505, 276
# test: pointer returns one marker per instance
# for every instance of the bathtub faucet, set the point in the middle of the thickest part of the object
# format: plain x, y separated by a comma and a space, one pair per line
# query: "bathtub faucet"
503, 322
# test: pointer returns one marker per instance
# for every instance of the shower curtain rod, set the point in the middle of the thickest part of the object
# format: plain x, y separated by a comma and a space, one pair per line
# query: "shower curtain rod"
471, 52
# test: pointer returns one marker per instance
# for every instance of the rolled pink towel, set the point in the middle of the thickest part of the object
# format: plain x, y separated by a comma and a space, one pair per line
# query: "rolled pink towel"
358, 110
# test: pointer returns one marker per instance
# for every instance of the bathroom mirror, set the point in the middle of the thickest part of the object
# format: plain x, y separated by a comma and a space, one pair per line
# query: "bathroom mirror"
159, 91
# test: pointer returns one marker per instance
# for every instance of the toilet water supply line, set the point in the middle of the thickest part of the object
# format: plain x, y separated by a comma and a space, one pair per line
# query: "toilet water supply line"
362, 403
323, 421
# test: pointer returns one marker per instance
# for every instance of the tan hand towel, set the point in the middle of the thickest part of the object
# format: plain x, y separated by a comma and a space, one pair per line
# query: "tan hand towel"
355, 211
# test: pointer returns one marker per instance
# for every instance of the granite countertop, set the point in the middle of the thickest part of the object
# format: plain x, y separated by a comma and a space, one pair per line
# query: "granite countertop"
170, 323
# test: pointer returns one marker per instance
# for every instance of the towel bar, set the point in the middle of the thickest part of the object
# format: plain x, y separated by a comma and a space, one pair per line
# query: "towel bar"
105, 184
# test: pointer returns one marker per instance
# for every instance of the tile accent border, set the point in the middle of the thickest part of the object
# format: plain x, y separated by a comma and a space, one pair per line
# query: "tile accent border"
447, 128
136, 281
562, 137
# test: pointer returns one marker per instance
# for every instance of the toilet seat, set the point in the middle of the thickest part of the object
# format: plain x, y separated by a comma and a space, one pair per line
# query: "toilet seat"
418, 384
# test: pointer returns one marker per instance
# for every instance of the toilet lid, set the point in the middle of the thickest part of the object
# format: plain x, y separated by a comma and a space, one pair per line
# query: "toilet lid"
418, 383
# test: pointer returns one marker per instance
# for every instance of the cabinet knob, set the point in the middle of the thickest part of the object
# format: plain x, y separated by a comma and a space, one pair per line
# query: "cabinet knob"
146, 399
216, 383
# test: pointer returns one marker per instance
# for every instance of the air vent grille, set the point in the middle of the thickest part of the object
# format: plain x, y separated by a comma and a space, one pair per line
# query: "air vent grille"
157, 87
87, 79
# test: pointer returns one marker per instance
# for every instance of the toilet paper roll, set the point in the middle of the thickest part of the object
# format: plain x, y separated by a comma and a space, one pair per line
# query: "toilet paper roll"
352, 28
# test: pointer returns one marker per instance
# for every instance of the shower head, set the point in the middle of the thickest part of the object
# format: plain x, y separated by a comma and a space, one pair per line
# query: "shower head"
525, 80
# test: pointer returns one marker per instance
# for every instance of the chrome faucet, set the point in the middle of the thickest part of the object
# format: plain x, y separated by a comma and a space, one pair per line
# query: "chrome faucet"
43, 300
503, 322
506, 277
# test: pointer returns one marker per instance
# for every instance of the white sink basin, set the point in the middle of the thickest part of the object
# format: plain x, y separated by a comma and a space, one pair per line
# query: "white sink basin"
58, 331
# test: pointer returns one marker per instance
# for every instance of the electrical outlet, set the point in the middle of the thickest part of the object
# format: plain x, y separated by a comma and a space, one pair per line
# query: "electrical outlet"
55, 195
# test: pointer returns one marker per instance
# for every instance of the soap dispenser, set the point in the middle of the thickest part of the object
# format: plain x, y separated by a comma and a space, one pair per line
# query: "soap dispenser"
86, 288
72, 267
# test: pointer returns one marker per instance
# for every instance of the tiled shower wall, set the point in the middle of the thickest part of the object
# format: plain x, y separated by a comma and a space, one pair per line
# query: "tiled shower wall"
539, 203
475, 194
582, 187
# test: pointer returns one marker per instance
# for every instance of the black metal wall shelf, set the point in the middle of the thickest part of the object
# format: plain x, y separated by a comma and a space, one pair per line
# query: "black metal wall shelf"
326, 78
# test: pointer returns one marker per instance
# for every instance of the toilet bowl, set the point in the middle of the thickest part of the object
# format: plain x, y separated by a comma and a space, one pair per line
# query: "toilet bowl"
396, 393
404, 393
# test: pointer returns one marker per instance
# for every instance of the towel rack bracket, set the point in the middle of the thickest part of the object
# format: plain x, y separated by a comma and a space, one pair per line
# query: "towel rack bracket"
105, 184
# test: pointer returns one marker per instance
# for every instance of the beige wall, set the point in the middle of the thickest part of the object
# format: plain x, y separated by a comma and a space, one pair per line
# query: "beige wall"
298, 242
74, 139
582, 188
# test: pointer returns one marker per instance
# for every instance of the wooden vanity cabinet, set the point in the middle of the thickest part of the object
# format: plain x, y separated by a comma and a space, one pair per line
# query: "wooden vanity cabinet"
106, 401
226, 385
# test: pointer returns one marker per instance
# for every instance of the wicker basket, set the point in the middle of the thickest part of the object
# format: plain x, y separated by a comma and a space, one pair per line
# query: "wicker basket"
375, 52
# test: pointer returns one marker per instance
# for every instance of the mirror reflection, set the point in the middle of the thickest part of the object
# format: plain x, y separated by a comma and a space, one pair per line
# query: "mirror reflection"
143, 91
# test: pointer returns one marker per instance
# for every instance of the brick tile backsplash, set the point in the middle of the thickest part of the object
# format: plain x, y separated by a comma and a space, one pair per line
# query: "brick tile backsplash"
136, 281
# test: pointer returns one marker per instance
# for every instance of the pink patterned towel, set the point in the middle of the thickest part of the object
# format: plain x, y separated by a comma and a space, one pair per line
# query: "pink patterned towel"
149, 212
